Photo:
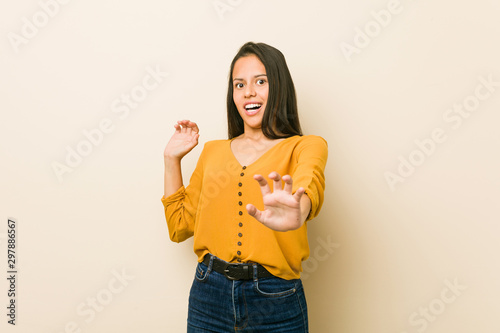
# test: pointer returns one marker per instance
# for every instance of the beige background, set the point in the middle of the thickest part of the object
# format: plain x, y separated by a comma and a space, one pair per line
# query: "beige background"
391, 254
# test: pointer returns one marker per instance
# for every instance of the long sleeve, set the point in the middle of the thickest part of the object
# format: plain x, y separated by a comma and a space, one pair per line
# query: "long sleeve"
309, 172
181, 207
212, 207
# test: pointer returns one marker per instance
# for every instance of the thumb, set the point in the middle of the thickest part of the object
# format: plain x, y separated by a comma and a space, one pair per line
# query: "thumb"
253, 211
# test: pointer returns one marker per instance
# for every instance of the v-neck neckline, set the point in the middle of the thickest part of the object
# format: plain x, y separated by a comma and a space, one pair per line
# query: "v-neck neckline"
260, 157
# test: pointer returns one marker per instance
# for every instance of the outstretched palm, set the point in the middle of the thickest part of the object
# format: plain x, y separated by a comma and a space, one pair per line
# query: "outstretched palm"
184, 139
281, 207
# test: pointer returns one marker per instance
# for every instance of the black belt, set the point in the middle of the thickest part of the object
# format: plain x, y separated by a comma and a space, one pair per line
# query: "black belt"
235, 271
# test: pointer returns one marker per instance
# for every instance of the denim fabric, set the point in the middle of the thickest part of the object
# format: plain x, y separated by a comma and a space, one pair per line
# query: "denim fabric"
272, 304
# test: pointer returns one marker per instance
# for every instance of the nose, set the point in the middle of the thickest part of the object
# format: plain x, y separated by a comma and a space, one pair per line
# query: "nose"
249, 90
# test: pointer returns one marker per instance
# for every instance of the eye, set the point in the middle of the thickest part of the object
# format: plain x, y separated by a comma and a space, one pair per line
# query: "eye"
239, 85
261, 82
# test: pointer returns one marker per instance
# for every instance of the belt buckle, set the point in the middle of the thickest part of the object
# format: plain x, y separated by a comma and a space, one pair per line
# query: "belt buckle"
226, 271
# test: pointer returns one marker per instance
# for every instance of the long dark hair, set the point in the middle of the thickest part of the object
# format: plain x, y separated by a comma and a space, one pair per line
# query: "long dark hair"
281, 118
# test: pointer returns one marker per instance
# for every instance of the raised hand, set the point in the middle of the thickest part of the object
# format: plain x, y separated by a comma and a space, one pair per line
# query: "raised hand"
184, 139
282, 209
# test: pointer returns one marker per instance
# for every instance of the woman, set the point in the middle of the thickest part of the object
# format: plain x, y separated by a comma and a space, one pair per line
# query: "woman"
249, 259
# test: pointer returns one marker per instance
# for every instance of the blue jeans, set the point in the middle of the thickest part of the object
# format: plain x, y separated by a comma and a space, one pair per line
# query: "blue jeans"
271, 304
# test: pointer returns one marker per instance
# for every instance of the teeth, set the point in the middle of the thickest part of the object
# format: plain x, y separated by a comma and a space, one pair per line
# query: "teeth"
250, 106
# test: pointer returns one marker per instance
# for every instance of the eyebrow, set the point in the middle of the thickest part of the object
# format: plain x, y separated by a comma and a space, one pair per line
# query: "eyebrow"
239, 79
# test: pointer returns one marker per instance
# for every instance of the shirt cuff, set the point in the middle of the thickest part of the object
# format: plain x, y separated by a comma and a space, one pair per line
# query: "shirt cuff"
176, 196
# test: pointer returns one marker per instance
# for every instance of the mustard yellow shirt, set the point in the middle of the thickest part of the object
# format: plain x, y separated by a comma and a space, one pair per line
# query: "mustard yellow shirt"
212, 206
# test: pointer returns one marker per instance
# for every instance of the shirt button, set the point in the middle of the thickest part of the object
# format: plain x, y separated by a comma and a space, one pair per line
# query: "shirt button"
239, 260
241, 213
242, 174
239, 243
240, 224
240, 184
240, 234
244, 167
240, 203
239, 253
239, 193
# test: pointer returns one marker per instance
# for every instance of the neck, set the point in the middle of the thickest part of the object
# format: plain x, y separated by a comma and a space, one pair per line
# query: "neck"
254, 136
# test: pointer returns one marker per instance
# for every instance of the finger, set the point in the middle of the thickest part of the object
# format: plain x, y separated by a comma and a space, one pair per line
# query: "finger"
184, 123
264, 186
180, 125
253, 211
194, 127
288, 183
298, 194
195, 139
177, 128
276, 180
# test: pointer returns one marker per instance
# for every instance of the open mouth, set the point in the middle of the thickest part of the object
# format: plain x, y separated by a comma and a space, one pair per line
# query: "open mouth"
252, 109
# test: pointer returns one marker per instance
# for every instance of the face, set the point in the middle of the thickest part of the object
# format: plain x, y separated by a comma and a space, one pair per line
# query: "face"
250, 90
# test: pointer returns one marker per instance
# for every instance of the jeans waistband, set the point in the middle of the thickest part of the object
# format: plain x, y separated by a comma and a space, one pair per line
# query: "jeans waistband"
233, 271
